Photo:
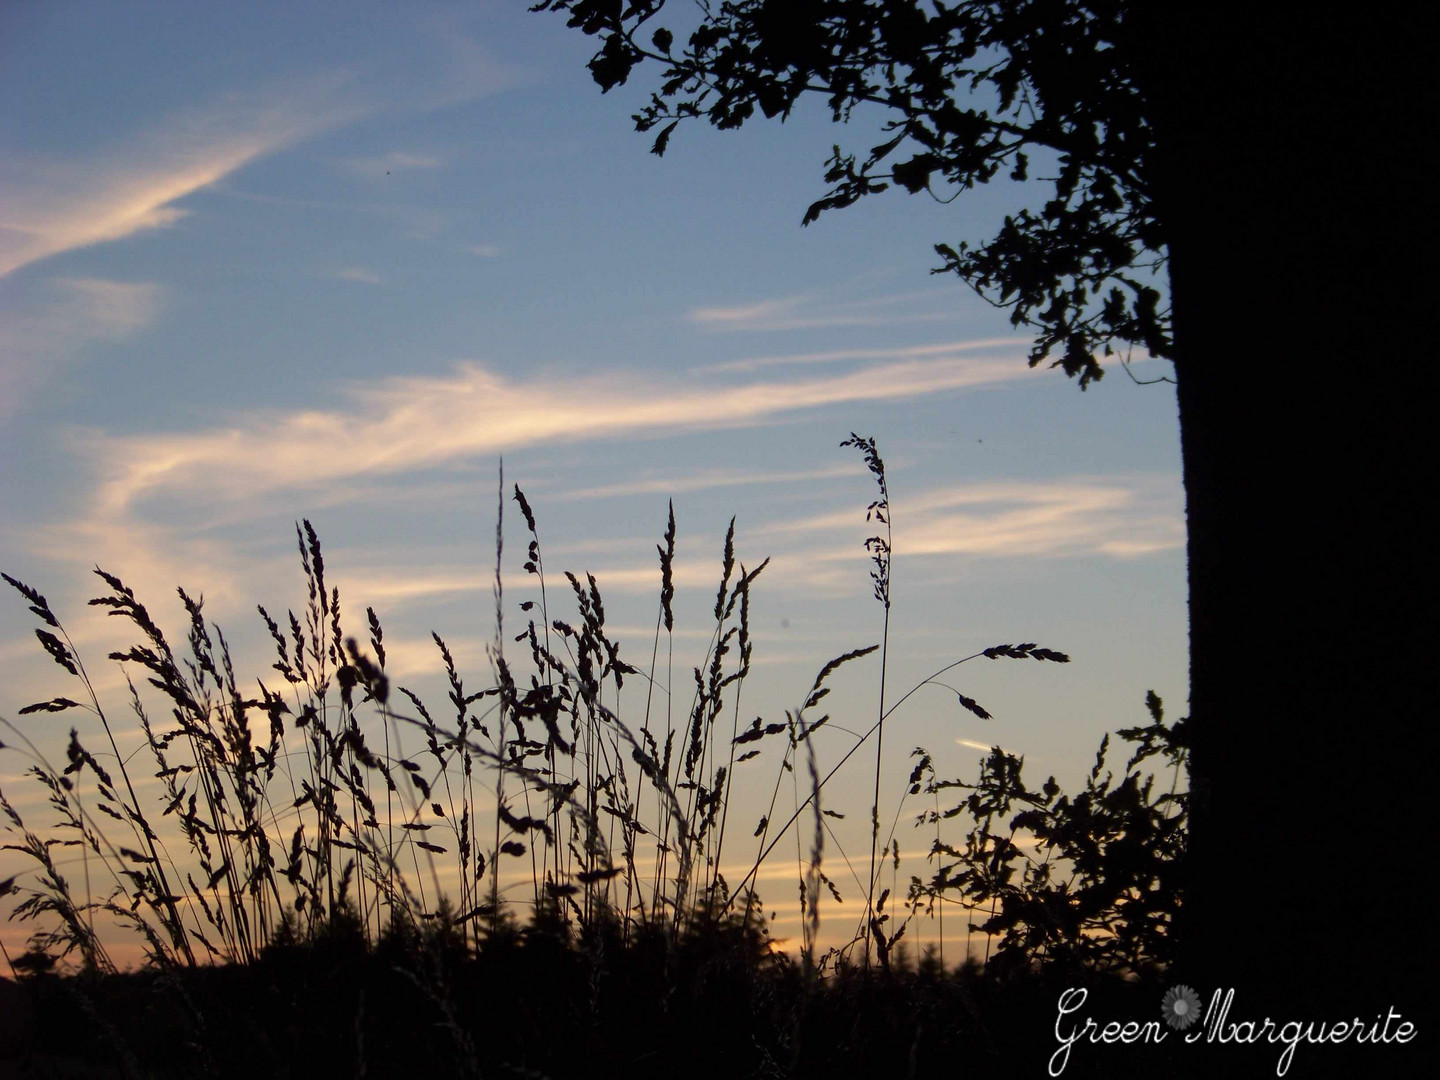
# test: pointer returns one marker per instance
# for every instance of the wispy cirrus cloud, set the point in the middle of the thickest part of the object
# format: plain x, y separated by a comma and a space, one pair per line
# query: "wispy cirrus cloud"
72, 313
152, 558
410, 431
112, 308
51, 205
419, 430
465, 68
907, 352
1118, 518
806, 312
1073, 517
359, 274
703, 480
402, 424
746, 316
388, 164
394, 586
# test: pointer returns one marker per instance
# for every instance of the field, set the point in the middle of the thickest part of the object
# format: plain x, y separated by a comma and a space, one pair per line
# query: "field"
537, 884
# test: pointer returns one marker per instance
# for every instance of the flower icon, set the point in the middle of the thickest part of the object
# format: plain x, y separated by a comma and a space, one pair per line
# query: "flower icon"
1180, 1007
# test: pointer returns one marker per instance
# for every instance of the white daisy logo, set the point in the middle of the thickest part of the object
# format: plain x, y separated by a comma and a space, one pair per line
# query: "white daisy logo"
1180, 1007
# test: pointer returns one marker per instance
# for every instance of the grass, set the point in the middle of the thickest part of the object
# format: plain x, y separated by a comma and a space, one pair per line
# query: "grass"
537, 879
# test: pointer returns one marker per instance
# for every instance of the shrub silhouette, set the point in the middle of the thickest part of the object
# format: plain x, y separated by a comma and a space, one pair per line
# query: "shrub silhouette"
1103, 890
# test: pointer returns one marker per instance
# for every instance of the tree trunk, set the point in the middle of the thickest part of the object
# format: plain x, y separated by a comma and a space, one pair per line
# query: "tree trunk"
1291, 187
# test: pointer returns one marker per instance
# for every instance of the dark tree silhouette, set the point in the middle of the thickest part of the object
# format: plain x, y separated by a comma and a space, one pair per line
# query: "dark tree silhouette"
971, 93
1261, 165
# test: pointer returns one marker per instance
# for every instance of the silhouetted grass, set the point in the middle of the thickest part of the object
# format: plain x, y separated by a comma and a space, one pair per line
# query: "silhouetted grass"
287, 880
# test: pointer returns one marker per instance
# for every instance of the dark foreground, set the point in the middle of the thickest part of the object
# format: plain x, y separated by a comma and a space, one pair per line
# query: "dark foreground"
535, 1007
532, 1006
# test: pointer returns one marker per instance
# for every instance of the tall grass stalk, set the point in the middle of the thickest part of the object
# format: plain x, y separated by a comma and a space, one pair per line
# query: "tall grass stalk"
295, 813
880, 550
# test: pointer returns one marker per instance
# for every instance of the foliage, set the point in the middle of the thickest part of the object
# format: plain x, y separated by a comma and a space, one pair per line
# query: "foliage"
1102, 890
969, 91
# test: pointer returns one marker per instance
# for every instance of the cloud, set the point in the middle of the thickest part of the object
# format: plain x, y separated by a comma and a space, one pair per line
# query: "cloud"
1125, 549
419, 582
360, 274
704, 480
971, 744
1026, 519
485, 251
109, 309
400, 431
463, 69
72, 314
393, 162
1042, 519
52, 206
417, 431
805, 313
153, 558
745, 316
409, 658
394, 587
831, 356
402, 424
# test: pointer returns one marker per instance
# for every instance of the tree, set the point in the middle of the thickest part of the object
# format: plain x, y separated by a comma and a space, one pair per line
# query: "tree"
1259, 165
1082, 269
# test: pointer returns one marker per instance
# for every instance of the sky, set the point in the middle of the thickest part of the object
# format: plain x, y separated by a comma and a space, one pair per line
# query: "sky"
270, 262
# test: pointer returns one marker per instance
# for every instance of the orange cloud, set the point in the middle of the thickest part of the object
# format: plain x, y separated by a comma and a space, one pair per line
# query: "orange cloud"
51, 206
411, 423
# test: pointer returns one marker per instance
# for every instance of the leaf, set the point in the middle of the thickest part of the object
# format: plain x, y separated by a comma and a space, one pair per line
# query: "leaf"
914, 175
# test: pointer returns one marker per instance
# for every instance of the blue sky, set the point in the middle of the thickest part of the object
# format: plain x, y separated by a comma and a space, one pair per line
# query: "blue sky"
271, 261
